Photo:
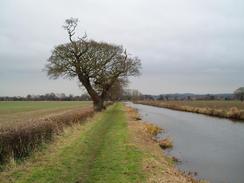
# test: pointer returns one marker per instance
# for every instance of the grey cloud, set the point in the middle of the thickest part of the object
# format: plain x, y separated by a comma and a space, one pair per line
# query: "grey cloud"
185, 46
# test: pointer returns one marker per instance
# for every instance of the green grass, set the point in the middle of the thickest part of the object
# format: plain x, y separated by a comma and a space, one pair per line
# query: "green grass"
98, 151
17, 111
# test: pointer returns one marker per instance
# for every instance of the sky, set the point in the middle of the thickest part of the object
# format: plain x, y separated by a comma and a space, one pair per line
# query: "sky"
184, 45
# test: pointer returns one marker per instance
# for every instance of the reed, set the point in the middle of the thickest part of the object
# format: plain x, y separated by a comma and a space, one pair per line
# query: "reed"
234, 112
152, 129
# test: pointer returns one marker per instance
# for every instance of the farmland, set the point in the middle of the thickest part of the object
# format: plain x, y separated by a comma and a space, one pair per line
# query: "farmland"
25, 126
12, 112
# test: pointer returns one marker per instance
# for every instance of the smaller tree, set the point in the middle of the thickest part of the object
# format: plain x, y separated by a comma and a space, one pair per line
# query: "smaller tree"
116, 91
239, 93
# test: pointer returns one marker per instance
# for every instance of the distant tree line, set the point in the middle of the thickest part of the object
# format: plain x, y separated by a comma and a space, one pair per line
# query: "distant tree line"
117, 93
237, 95
189, 97
167, 97
47, 97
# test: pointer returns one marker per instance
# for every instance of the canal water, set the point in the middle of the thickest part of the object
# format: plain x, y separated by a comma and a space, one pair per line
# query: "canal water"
212, 147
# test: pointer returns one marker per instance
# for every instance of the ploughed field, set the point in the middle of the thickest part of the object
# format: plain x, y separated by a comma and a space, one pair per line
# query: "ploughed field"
12, 112
25, 126
228, 109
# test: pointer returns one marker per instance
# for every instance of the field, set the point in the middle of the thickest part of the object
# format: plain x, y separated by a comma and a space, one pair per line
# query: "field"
225, 109
12, 112
25, 126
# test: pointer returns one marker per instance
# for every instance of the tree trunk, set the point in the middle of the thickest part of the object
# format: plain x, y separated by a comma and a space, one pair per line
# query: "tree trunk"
98, 101
98, 105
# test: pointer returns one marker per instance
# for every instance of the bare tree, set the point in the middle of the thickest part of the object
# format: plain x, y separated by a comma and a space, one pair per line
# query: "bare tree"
97, 65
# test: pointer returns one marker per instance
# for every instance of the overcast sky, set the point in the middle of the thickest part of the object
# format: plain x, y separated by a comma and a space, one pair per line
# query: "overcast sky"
185, 45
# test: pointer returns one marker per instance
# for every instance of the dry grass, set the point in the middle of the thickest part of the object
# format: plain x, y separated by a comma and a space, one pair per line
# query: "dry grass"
19, 141
234, 112
157, 167
149, 128
152, 129
224, 109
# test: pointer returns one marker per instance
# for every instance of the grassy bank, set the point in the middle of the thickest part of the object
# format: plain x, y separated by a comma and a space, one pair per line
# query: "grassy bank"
224, 109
